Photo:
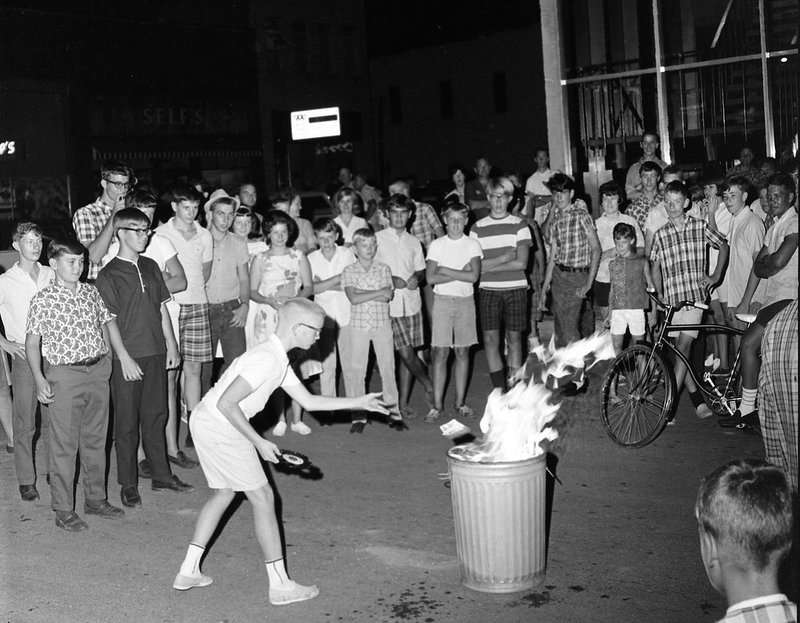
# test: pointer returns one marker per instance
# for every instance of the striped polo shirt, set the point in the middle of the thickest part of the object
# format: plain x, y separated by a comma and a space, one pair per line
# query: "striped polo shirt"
496, 236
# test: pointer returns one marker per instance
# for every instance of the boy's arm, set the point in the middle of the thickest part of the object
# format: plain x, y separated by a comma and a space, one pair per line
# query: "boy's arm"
513, 259
14, 349
173, 356
206, 271
658, 281
130, 369
312, 402
356, 296
648, 278
307, 287
711, 280
228, 405
174, 275
594, 245
240, 314
750, 289
33, 354
331, 283
548, 278
770, 264
412, 283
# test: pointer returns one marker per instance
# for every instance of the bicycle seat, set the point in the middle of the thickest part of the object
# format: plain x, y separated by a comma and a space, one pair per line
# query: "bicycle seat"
748, 318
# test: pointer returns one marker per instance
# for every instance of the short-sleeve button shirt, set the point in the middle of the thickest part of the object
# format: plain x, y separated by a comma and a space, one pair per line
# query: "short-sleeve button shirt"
372, 314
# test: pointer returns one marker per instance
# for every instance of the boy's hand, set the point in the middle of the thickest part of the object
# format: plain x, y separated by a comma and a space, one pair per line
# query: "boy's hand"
240, 316
412, 283
15, 349
173, 357
44, 392
397, 282
130, 369
583, 290
372, 402
268, 450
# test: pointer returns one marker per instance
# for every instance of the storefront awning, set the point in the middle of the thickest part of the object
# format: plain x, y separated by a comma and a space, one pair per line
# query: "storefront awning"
166, 147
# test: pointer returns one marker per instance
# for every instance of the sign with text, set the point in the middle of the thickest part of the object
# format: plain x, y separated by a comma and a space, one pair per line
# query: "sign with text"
9, 149
316, 123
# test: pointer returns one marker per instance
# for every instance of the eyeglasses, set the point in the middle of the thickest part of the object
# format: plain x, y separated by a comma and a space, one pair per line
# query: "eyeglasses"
138, 230
499, 197
316, 330
119, 185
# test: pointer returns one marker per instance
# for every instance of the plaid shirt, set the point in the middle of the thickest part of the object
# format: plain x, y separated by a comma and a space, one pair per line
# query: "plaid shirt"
682, 255
70, 323
777, 392
423, 228
640, 208
569, 231
769, 609
87, 222
372, 314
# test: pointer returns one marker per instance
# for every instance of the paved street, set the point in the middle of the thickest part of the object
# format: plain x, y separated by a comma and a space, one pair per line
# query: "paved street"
374, 530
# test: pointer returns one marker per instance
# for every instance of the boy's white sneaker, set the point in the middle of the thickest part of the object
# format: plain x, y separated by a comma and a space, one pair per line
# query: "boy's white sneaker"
703, 411
280, 429
291, 593
301, 428
185, 582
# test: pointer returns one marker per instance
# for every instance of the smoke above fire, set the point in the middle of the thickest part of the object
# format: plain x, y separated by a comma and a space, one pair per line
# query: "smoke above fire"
516, 423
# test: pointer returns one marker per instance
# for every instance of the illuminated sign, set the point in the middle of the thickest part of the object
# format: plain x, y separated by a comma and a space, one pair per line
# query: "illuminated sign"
8, 150
315, 123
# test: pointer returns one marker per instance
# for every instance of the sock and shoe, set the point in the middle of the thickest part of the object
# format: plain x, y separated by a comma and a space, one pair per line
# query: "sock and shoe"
746, 416
701, 409
282, 590
280, 429
189, 575
301, 428
357, 426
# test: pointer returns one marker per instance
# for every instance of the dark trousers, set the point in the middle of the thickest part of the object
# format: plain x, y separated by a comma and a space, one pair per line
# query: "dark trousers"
141, 405
231, 338
78, 426
573, 317
24, 409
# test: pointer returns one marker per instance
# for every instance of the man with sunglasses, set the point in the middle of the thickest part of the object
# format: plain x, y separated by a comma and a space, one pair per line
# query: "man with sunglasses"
93, 222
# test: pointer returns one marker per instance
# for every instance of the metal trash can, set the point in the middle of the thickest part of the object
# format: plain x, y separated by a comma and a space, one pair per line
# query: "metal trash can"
499, 511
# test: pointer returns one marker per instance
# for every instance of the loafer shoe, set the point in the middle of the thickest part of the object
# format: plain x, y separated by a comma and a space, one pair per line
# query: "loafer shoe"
185, 582
291, 593
144, 469
28, 493
737, 420
181, 460
357, 427
175, 484
573, 389
69, 521
130, 496
103, 509
398, 424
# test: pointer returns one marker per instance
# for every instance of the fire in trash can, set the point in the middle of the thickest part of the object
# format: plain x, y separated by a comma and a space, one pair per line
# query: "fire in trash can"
515, 423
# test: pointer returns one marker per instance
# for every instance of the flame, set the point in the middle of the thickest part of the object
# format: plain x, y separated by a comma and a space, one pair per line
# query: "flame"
515, 423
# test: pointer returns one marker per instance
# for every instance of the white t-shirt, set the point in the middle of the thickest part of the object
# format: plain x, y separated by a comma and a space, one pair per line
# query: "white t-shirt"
535, 185
454, 254
782, 285
192, 255
334, 302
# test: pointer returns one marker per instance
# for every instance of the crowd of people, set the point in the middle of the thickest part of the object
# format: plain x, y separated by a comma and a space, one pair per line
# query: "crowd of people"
392, 275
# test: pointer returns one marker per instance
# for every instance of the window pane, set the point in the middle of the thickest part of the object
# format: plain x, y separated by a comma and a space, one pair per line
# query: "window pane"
781, 24
784, 94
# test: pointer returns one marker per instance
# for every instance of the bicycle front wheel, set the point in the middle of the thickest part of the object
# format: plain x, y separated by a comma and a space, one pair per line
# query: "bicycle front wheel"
638, 392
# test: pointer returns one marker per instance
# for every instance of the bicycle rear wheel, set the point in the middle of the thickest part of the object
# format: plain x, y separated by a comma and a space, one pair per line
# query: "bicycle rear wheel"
637, 396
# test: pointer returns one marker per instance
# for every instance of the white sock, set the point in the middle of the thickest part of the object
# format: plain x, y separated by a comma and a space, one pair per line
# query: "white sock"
748, 404
276, 573
191, 564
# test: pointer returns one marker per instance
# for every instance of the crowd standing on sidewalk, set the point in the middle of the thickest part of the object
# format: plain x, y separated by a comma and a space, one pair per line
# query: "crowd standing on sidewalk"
145, 309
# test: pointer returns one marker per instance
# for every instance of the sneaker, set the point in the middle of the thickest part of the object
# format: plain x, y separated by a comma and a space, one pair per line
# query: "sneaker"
280, 429
433, 415
301, 428
465, 412
291, 593
185, 582
703, 411
737, 420
357, 427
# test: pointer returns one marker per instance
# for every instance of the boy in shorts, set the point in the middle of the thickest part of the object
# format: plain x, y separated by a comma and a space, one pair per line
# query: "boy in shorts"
70, 328
453, 267
744, 516
195, 251
230, 449
678, 258
368, 286
402, 253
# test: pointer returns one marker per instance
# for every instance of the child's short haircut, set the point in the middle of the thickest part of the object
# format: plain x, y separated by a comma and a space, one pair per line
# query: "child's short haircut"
399, 202
784, 180
502, 184
299, 310
672, 169
117, 167
276, 217
26, 227
625, 230
696, 193
714, 179
141, 198
67, 246
560, 182
365, 233
677, 187
185, 192
342, 193
284, 195
609, 189
649, 165
325, 225
456, 208
747, 505
130, 216
741, 182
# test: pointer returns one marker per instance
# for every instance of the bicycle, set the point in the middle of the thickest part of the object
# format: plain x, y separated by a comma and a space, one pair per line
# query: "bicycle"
638, 393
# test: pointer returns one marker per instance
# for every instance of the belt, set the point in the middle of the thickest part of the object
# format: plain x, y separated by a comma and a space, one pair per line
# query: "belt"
87, 362
231, 305
571, 269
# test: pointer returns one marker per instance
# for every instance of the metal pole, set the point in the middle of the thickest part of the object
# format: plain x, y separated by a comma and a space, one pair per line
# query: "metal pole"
661, 88
769, 128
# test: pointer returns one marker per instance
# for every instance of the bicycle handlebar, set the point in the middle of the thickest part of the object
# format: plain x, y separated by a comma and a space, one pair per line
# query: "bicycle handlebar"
652, 294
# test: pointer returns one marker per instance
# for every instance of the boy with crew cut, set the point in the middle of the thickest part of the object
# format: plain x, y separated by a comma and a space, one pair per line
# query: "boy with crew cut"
744, 516
70, 328
135, 293
195, 251
648, 197
368, 286
678, 257
18, 285
453, 267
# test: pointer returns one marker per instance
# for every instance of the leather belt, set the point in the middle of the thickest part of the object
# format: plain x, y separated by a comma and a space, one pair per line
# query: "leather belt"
571, 269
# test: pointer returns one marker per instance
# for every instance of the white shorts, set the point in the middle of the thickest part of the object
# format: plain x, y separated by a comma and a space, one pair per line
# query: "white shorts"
622, 319
228, 459
688, 315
